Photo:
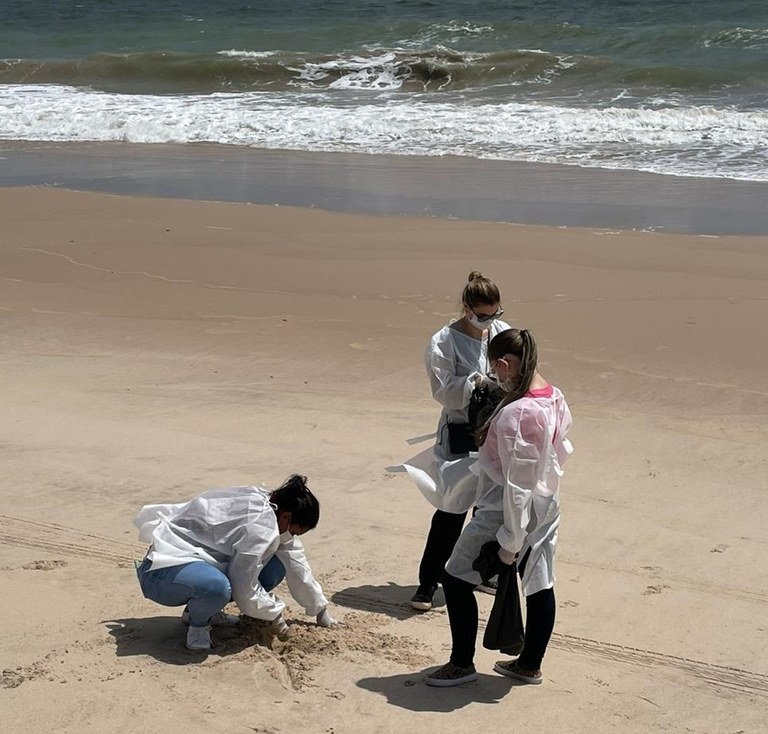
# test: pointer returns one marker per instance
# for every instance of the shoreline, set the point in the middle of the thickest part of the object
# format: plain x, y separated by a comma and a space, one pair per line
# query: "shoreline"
452, 188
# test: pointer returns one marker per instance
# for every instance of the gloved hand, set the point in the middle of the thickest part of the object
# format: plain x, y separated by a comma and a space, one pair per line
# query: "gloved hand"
324, 619
280, 628
507, 557
480, 380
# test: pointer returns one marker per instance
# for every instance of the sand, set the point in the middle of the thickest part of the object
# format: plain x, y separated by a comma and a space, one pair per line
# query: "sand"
152, 349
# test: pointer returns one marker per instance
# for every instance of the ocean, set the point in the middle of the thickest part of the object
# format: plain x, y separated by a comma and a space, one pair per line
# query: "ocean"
676, 87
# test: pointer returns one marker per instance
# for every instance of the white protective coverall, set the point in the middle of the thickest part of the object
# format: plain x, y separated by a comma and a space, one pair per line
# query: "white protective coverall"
235, 530
522, 457
453, 361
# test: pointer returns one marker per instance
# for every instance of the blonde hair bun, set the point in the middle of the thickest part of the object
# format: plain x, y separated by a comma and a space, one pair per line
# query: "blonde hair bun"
474, 275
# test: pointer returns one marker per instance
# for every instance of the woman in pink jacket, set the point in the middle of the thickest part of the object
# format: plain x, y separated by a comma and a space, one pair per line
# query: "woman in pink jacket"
522, 449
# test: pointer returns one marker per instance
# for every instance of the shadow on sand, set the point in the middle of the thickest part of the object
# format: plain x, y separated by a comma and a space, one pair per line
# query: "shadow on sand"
391, 599
163, 638
410, 692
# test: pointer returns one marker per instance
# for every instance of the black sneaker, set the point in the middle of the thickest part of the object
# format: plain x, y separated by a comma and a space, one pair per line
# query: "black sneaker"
422, 599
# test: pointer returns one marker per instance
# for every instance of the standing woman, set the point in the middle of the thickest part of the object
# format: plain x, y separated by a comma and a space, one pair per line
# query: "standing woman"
523, 448
457, 362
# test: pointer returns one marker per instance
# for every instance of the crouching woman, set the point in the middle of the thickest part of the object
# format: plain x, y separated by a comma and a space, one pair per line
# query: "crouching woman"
231, 544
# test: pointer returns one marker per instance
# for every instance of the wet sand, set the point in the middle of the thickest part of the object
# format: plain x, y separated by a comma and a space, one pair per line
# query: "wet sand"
451, 187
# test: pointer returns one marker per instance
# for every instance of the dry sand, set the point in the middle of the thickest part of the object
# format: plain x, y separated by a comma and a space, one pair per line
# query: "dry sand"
151, 349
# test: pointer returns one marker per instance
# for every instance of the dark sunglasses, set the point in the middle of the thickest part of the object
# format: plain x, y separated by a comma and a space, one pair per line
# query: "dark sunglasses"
485, 318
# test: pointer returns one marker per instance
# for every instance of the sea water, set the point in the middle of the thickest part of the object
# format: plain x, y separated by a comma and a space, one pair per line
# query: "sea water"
671, 86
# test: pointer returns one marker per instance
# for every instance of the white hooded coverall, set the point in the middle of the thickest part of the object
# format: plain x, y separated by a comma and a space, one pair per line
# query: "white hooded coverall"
521, 463
453, 361
235, 530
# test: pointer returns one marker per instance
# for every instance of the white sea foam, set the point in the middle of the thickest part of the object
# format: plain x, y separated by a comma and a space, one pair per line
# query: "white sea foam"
748, 38
378, 72
234, 53
458, 30
463, 27
680, 140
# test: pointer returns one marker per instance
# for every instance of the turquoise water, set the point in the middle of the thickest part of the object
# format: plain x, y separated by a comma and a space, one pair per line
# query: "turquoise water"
677, 87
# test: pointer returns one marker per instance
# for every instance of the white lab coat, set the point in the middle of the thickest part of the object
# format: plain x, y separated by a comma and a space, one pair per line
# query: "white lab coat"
522, 456
453, 361
235, 530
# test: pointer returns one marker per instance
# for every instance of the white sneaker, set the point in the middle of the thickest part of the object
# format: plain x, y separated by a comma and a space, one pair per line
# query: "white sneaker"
220, 619
199, 638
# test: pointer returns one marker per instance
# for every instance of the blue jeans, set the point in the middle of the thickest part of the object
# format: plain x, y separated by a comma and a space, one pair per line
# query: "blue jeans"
202, 587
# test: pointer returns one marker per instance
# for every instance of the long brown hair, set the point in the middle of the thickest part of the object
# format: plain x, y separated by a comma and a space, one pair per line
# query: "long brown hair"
522, 344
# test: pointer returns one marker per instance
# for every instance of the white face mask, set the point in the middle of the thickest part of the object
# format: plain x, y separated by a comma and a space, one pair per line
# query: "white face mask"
286, 537
507, 385
477, 323
480, 325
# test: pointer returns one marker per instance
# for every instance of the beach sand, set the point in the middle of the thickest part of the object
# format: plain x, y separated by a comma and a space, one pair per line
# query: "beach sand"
152, 349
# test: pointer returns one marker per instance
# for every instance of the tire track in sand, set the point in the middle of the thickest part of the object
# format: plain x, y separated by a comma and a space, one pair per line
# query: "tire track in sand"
56, 538
710, 675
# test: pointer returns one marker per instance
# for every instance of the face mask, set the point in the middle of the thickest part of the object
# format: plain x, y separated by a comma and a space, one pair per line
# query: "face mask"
507, 385
481, 325
476, 322
286, 537
493, 377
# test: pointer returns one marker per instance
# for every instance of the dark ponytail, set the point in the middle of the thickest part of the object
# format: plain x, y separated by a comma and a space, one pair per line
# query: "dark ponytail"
295, 497
520, 343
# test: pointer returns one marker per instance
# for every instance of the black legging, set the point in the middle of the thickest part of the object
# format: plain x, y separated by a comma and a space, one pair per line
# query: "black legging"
443, 534
462, 615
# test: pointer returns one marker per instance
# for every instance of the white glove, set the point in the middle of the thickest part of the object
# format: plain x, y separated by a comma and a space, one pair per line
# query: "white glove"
487, 381
324, 619
507, 557
280, 628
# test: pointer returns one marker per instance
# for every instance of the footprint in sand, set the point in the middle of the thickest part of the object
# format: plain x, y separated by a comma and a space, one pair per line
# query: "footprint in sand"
43, 565
657, 589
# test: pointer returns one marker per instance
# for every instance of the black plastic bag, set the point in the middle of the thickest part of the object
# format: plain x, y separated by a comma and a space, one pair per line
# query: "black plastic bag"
461, 439
505, 630
482, 403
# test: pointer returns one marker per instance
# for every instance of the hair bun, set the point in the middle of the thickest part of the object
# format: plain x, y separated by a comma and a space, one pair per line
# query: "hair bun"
474, 275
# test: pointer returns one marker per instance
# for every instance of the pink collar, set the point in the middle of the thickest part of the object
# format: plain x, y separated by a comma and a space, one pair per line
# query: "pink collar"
541, 392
